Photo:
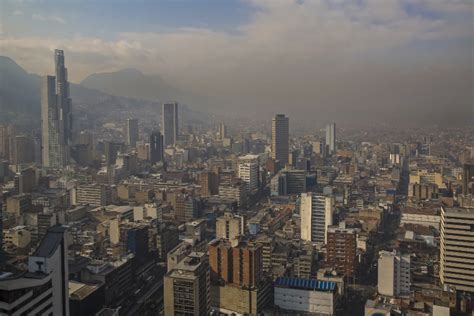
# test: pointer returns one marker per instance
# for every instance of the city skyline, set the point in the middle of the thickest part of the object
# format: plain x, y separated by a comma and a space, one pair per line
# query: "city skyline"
240, 157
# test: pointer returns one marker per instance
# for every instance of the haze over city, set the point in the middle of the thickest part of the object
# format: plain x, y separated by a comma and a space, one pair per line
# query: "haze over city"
408, 61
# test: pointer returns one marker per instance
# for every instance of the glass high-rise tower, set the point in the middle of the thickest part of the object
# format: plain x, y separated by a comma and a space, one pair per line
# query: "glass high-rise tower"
56, 116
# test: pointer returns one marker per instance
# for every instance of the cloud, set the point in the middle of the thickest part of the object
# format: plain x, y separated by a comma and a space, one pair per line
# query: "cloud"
52, 18
321, 58
17, 12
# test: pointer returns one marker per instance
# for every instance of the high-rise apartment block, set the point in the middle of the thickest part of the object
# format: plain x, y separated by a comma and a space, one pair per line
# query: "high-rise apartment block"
249, 169
132, 132
56, 116
456, 248
316, 212
342, 250
394, 278
331, 138
240, 265
169, 124
187, 287
280, 138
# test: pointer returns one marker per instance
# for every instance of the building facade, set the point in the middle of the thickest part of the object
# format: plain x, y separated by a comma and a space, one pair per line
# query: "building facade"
331, 138
249, 169
156, 147
342, 250
280, 138
456, 248
169, 123
316, 212
187, 287
394, 274
132, 132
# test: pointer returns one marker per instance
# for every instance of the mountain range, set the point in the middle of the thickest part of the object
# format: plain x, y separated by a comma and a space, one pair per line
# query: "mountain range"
20, 91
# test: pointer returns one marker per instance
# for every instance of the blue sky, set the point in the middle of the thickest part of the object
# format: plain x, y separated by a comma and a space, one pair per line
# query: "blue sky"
106, 18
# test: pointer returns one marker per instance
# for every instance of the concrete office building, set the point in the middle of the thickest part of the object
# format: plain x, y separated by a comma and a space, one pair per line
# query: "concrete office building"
93, 195
249, 169
280, 138
236, 192
169, 123
132, 132
43, 289
187, 208
456, 248
187, 287
316, 212
56, 116
331, 138
394, 278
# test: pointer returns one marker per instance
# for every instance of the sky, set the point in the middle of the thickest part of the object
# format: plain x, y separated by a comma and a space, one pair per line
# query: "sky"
364, 60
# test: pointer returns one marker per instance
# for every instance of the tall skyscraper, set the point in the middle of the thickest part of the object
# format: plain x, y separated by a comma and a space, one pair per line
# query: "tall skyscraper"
187, 287
56, 115
156, 147
280, 138
331, 138
457, 248
316, 212
132, 132
169, 123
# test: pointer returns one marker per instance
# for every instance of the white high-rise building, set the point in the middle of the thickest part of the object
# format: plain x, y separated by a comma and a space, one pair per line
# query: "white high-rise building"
249, 168
132, 132
331, 138
280, 138
43, 289
169, 123
394, 278
457, 248
56, 116
316, 212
